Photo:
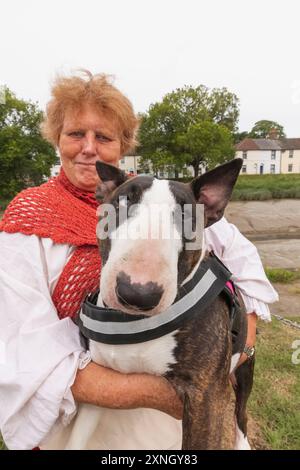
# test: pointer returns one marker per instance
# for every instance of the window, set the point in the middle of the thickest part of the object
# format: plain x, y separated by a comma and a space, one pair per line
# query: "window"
291, 153
272, 171
244, 169
290, 168
273, 154
245, 155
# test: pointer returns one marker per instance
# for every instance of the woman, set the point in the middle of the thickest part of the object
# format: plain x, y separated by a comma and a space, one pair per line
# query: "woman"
49, 261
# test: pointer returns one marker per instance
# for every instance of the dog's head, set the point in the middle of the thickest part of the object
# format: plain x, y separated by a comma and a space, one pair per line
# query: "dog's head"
150, 233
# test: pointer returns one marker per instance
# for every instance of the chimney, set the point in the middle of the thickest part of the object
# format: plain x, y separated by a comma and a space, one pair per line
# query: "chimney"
273, 134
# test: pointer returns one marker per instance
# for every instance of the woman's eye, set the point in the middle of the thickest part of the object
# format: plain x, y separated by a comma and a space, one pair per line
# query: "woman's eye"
102, 138
76, 134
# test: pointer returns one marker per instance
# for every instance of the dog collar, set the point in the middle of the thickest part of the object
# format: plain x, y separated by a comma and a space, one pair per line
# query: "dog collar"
110, 326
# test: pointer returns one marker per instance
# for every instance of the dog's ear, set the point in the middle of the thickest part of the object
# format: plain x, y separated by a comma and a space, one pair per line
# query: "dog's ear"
214, 189
110, 178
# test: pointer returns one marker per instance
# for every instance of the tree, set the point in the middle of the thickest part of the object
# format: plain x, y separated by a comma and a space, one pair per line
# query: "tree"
208, 143
239, 136
166, 125
263, 129
25, 157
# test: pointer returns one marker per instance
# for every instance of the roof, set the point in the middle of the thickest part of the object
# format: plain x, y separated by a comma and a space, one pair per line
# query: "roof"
290, 144
269, 144
259, 144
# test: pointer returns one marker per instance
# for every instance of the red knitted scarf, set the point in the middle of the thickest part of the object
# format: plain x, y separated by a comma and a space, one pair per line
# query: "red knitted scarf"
66, 214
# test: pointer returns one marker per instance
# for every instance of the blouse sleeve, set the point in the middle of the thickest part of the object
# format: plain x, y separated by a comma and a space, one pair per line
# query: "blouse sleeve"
39, 354
242, 259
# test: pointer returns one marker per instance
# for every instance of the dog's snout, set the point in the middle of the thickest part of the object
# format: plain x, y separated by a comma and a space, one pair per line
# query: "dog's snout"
141, 296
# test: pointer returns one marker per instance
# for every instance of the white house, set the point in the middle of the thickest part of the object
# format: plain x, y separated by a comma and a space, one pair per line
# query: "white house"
267, 156
130, 164
290, 156
260, 156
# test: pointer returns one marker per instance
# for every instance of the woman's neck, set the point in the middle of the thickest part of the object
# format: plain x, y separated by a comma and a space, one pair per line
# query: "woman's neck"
86, 196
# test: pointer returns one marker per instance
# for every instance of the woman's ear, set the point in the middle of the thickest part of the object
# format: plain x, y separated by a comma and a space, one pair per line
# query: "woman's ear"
110, 178
214, 189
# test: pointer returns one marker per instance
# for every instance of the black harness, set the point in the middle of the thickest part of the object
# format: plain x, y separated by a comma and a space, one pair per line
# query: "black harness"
110, 326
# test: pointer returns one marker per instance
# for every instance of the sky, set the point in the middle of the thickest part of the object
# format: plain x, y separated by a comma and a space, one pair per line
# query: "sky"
152, 47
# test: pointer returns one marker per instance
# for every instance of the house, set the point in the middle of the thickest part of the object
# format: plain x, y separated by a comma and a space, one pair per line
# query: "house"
269, 156
259, 155
290, 156
130, 164
55, 169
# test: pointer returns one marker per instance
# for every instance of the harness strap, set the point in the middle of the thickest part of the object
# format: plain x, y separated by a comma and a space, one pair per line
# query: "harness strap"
111, 326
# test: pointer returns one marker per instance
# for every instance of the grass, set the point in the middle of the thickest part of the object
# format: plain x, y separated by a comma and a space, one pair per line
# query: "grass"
284, 276
263, 187
275, 400
2, 445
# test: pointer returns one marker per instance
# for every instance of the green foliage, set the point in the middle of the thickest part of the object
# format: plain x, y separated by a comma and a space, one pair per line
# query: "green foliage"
207, 117
262, 129
25, 157
206, 142
262, 187
239, 136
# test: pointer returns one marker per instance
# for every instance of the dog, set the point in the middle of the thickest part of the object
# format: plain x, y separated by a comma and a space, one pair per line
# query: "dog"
141, 280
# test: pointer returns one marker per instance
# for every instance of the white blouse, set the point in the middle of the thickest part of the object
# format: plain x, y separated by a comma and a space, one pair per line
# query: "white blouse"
40, 354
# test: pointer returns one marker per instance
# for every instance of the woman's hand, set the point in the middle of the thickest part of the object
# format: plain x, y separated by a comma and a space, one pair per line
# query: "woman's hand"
105, 387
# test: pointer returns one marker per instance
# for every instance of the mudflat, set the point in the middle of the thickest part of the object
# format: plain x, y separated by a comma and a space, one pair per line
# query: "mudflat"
274, 227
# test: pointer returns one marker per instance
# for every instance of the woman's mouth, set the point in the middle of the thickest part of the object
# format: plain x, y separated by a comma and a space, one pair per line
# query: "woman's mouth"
85, 163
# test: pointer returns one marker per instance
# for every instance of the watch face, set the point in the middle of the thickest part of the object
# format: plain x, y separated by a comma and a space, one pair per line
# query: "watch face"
249, 351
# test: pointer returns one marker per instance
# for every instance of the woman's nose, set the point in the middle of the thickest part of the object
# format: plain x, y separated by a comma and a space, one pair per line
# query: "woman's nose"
89, 145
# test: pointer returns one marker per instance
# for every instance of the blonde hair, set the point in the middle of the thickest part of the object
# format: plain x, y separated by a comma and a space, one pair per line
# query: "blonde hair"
96, 90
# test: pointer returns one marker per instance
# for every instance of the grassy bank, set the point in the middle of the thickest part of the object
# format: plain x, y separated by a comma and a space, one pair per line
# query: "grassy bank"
263, 187
284, 276
275, 399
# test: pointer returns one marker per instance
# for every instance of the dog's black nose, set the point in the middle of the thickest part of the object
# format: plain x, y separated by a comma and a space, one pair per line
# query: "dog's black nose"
141, 296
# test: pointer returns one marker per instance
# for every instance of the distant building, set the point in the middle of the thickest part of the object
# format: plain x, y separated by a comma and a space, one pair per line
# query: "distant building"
269, 156
55, 169
290, 156
130, 164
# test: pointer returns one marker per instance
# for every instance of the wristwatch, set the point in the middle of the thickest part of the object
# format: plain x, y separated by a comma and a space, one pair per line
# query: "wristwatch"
249, 351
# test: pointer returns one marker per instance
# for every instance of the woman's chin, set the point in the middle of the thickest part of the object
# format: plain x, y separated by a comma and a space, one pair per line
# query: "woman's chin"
87, 182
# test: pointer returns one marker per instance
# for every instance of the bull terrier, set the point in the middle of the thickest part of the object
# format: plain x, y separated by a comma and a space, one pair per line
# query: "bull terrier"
162, 310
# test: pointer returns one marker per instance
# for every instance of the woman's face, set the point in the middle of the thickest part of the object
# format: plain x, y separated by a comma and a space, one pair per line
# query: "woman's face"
87, 136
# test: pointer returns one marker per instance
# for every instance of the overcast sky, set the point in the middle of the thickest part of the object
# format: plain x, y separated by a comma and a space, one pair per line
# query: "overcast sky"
155, 46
